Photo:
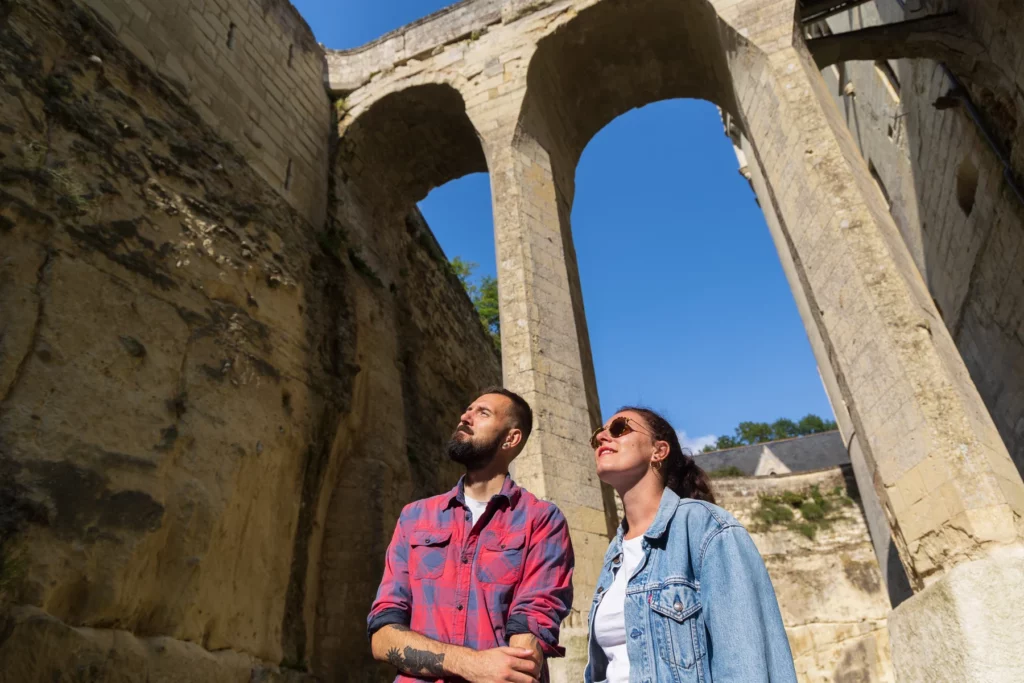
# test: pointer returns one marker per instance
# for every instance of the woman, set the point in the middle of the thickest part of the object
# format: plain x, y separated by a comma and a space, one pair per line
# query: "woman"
683, 595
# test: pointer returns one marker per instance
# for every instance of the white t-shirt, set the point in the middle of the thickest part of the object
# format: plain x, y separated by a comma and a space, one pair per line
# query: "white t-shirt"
610, 621
476, 508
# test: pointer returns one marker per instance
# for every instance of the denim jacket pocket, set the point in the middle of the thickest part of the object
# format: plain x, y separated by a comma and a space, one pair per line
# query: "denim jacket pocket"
501, 557
675, 608
428, 552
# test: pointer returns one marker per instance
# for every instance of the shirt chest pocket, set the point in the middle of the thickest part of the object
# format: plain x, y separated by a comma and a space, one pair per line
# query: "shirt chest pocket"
675, 624
501, 557
428, 552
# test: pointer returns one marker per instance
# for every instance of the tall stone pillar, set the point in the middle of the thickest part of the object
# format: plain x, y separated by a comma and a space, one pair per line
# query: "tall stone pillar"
951, 493
546, 358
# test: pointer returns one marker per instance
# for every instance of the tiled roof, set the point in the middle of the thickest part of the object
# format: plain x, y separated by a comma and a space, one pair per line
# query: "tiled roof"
802, 454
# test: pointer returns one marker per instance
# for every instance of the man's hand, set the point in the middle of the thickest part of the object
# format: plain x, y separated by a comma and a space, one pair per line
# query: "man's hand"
499, 665
530, 642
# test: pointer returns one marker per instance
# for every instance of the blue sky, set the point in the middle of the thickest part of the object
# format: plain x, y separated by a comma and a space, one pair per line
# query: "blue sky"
688, 308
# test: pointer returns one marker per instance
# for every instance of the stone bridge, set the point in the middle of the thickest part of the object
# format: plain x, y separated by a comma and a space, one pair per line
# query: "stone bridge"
518, 88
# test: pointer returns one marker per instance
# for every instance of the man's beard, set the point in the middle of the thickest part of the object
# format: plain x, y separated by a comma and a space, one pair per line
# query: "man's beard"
470, 455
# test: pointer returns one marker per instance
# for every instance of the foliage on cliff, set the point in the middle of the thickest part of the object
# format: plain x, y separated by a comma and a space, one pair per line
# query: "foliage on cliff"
484, 295
806, 512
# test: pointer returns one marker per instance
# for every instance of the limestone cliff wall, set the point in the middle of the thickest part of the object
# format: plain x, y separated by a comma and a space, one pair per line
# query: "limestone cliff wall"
829, 587
207, 403
252, 70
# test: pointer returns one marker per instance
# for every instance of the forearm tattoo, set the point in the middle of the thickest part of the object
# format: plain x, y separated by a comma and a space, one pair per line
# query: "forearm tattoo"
417, 661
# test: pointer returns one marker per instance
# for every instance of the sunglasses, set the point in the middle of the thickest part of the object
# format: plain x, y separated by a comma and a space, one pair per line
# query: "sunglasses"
620, 426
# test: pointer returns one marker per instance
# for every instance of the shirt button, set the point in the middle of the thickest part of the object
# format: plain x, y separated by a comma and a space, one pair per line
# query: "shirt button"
678, 606
465, 560
459, 608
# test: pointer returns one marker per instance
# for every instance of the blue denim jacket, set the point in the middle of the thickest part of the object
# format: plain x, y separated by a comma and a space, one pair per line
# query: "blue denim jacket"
699, 606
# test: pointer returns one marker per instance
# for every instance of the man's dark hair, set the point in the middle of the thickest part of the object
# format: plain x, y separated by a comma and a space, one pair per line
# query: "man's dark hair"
522, 414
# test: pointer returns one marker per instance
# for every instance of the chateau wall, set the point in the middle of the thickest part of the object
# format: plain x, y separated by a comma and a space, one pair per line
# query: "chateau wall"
195, 382
959, 218
830, 590
253, 71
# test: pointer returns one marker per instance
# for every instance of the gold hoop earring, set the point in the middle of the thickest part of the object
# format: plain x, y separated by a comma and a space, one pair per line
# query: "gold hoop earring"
657, 464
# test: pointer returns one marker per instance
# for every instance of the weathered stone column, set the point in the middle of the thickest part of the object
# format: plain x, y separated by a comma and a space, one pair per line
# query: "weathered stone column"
950, 491
546, 358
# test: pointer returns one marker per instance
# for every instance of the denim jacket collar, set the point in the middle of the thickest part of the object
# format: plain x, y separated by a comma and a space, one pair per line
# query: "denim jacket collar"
658, 528
666, 511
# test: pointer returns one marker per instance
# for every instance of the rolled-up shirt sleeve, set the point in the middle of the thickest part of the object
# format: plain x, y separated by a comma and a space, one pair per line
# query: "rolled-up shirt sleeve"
544, 595
393, 604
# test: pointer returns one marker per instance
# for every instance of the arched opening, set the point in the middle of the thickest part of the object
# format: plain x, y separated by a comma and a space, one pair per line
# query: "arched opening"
411, 141
681, 277
417, 354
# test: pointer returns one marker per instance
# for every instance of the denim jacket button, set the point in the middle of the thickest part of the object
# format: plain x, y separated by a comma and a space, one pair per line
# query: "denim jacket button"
617, 560
600, 589
678, 606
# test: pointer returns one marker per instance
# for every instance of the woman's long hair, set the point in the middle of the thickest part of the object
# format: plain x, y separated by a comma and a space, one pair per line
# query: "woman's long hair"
678, 469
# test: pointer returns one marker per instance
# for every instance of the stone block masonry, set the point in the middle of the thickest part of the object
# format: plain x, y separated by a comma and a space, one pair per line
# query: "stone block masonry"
253, 71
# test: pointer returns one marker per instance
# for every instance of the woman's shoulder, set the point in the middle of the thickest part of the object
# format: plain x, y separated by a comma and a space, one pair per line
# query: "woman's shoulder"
698, 523
701, 521
703, 512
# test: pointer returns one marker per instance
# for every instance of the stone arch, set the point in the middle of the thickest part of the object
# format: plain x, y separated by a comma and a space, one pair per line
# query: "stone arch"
410, 141
615, 56
609, 58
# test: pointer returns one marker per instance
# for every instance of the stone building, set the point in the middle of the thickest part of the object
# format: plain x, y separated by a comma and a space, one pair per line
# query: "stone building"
226, 333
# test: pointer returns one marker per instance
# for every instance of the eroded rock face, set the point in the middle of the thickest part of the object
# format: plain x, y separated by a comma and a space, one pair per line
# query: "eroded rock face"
189, 371
825, 574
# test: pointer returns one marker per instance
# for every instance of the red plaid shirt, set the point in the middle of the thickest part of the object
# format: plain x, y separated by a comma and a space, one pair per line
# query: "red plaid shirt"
509, 574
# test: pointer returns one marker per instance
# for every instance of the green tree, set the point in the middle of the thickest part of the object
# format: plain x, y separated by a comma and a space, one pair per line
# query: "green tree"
486, 303
812, 424
784, 429
749, 433
484, 296
464, 270
727, 442
754, 432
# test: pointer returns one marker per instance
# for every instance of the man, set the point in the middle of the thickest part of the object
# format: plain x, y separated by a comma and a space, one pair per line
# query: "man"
477, 580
